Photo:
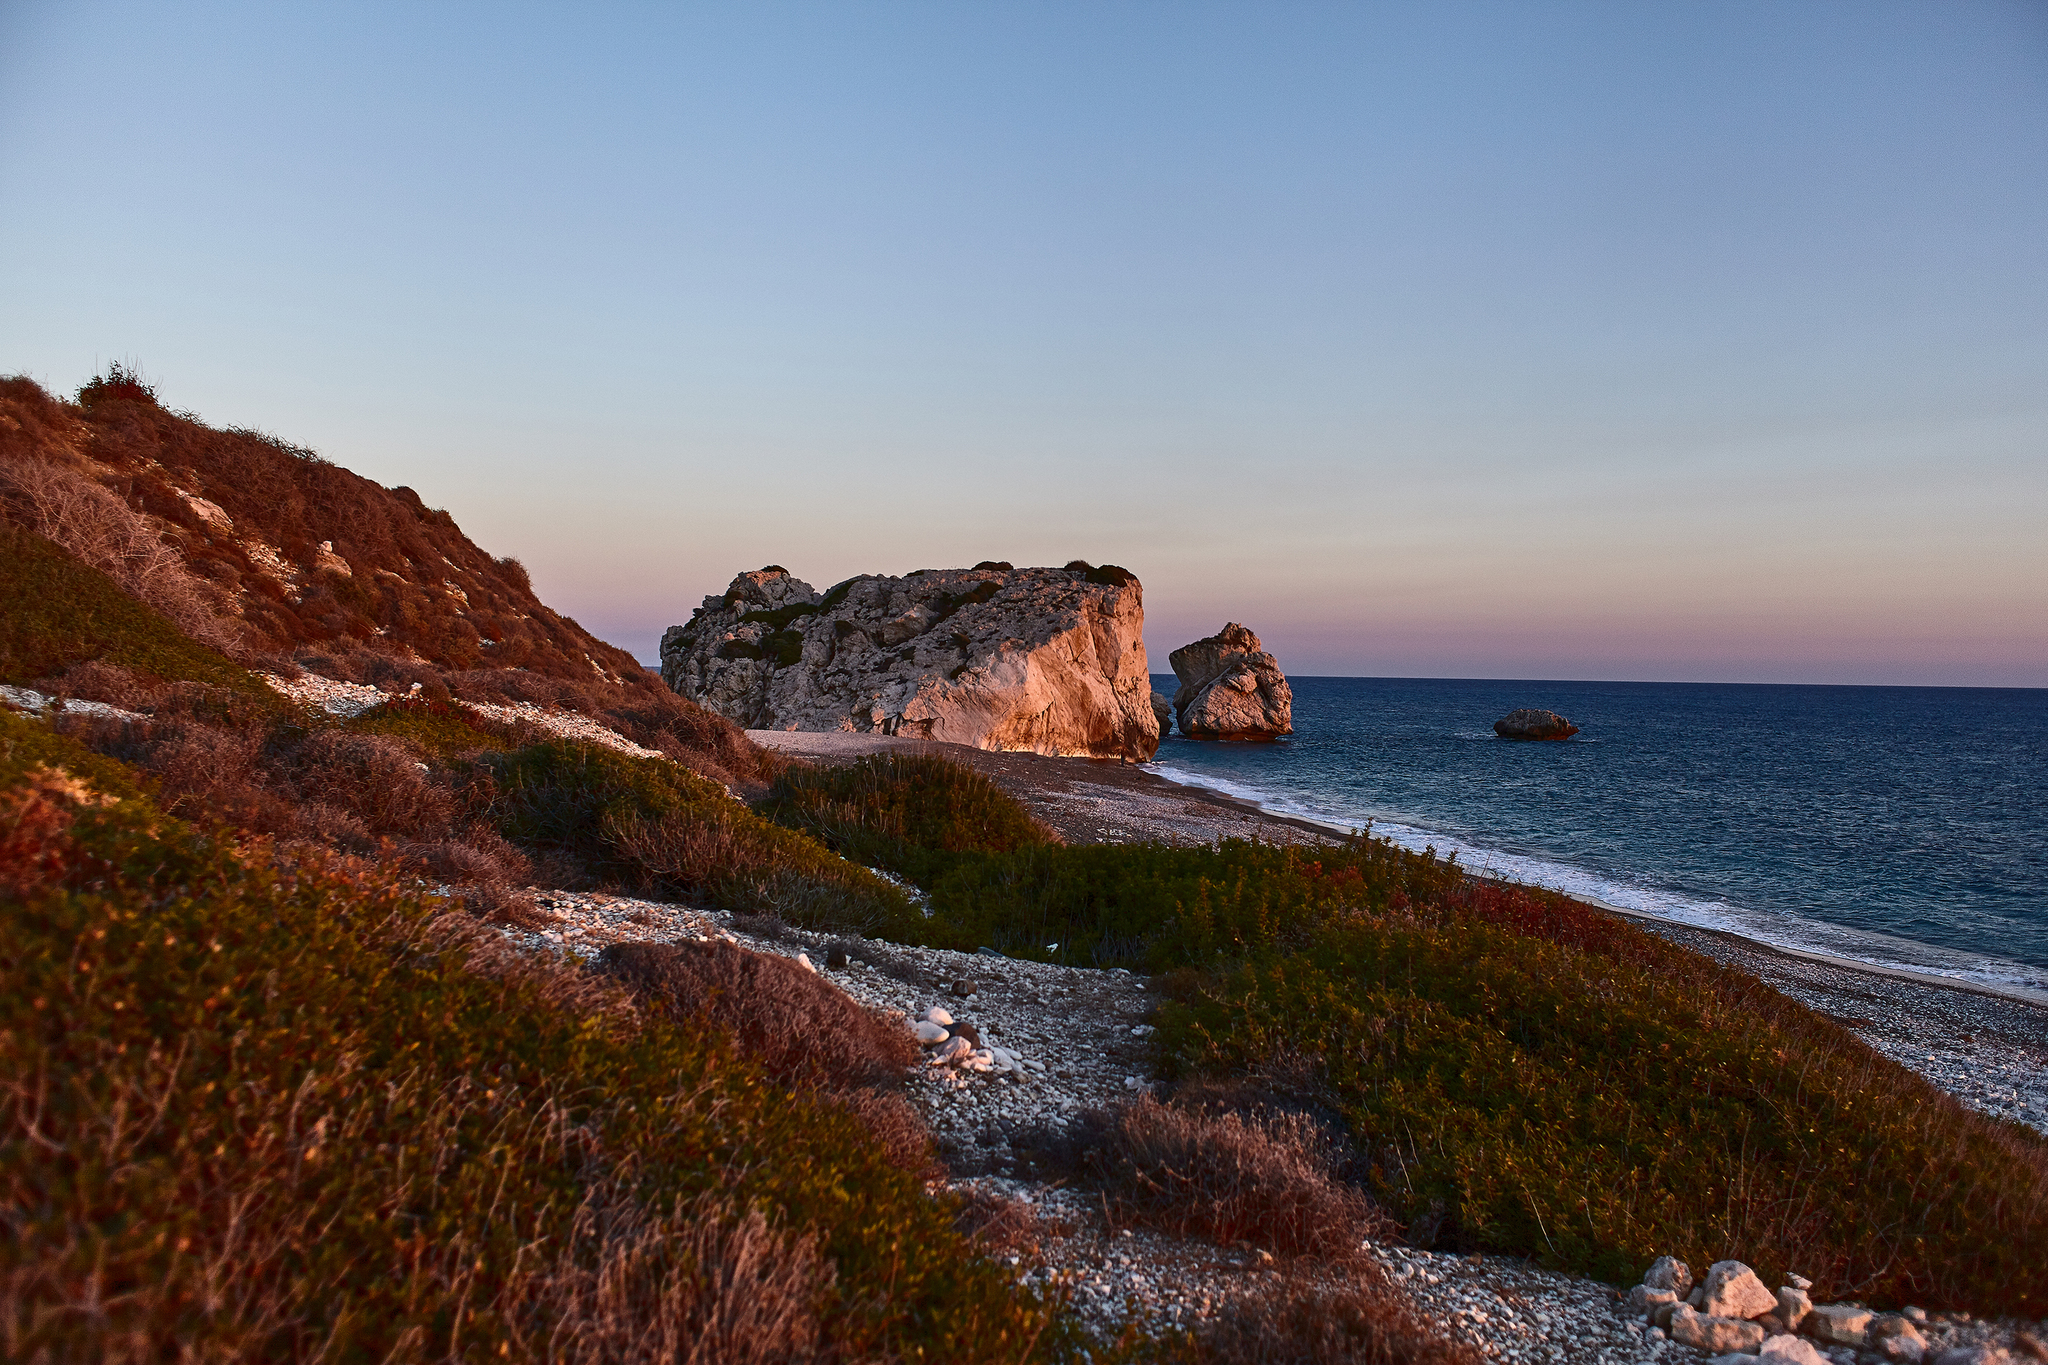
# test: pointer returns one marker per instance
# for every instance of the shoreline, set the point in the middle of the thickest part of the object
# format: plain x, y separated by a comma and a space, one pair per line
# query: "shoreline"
1986, 1045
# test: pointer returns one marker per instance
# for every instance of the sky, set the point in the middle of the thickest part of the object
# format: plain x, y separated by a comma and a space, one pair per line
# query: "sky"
1697, 342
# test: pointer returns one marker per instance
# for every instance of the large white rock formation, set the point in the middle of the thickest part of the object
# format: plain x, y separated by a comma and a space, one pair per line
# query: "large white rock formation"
1046, 660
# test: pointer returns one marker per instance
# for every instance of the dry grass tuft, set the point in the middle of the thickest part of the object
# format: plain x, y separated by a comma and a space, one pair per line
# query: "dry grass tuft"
801, 1028
703, 1285
1269, 1178
99, 528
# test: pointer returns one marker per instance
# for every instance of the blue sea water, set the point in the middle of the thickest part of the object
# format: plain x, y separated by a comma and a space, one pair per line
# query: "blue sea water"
1903, 826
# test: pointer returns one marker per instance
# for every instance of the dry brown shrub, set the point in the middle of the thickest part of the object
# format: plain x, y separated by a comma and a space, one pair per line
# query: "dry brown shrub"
94, 524
702, 1285
98, 680
377, 777
997, 1223
894, 1123
1268, 1179
1364, 1323
478, 856
333, 826
494, 904
801, 1028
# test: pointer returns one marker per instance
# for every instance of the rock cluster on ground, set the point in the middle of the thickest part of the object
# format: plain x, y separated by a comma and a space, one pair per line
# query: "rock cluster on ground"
1530, 723
1046, 660
1734, 1318
1231, 689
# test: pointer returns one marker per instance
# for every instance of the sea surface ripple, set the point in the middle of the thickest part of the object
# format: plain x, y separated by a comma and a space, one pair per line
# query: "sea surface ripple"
1901, 826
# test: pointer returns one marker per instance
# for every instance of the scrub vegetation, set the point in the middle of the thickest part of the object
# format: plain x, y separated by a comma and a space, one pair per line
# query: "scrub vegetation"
1514, 1071
271, 1089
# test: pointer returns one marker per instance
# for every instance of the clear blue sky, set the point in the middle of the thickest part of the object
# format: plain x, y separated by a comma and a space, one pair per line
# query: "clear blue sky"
1703, 341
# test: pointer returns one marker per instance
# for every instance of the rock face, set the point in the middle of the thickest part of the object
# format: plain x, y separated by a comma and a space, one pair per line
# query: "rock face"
1734, 1291
1051, 661
1529, 723
1231, 689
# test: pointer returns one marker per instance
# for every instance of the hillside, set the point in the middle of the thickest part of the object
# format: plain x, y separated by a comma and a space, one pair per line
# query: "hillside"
283, 850
264, 553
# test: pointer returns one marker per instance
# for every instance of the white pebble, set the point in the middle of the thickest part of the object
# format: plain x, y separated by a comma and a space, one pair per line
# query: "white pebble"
929, 1033
937, 1015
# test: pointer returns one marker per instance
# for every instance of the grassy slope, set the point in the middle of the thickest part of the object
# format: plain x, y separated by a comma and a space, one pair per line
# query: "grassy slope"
1524, 1074
229, 1071
60, 612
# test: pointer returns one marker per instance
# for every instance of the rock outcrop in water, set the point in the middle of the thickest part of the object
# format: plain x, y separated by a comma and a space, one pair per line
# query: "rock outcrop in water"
1529, 723
1051, 661
1231, 689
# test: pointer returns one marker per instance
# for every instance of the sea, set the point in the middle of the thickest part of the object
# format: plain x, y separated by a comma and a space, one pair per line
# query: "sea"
1898, 826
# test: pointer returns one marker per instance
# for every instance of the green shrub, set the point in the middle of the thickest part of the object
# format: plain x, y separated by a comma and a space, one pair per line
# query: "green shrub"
1156, 906
438, 728
1602, 1102
911, 814
650, 822
271, 1110
61, 611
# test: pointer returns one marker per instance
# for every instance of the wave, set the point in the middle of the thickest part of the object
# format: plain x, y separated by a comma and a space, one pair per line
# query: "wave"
1789, 932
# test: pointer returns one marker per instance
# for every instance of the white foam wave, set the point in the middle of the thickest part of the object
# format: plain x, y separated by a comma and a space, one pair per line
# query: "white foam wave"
1792, 932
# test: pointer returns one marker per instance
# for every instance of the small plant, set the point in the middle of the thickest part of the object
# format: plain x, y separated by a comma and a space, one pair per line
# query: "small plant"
119, 384
1268, 1179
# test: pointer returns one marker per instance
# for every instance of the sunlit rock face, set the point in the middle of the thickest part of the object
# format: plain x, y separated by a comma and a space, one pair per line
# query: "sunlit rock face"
1231, 689
1050, 661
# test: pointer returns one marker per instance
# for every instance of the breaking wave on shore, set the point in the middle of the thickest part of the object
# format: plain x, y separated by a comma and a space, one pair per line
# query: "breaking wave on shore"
1792, 828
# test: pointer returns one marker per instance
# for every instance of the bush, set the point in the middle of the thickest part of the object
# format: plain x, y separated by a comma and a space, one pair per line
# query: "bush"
1268, 1179
649, 823
280, 1108
911, 814
800, 1028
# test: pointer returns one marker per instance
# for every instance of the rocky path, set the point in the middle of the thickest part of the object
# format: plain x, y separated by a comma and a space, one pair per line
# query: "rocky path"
1081, 1038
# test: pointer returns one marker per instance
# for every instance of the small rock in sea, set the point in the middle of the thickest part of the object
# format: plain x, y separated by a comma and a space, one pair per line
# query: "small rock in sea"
963, 988
1734, 1291
930, 1034
1231, 689
1530, 723
938, 1015
803, 960
836, 958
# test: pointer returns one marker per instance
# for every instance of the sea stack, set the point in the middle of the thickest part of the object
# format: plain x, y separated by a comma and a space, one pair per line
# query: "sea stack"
1529, 723
1048, 661
1231, 689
